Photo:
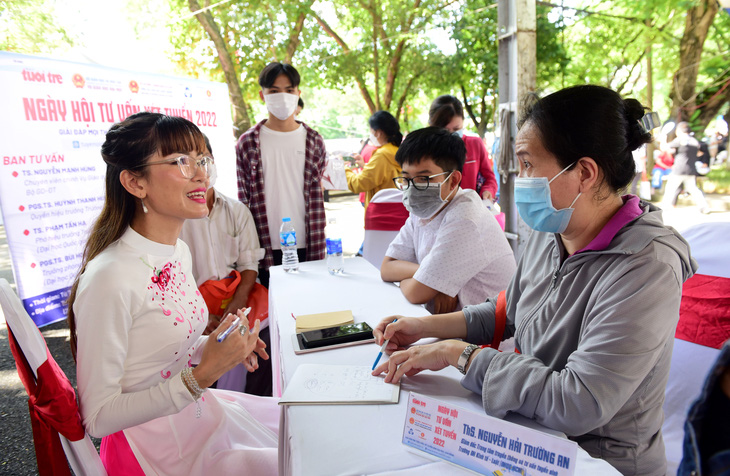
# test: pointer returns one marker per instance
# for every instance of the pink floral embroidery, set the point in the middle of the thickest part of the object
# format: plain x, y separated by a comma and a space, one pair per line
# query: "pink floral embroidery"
162, 276
165, 375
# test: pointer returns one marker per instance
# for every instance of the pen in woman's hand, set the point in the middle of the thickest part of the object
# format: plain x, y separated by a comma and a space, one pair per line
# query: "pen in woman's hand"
382, 349
221, 337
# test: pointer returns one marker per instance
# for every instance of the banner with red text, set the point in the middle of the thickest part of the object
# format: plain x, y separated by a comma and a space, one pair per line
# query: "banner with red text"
482, 443
54, 118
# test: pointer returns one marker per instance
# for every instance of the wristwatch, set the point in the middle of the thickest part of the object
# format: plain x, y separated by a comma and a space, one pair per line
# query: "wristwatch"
464, 358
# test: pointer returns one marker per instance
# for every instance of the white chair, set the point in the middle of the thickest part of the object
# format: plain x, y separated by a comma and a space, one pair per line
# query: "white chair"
384, 217
691, 362
81, 454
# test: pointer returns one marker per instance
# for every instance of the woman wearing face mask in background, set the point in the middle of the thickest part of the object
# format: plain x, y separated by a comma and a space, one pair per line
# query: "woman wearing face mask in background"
595, 300
447, 112
379, 172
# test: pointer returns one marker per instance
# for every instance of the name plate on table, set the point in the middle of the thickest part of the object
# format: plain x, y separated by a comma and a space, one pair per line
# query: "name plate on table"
482, 443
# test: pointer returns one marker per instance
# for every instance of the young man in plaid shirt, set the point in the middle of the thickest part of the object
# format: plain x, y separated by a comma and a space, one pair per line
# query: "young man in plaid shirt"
279, 164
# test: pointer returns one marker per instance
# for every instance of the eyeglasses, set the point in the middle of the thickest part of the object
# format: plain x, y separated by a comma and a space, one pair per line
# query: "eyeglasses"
188, 166
420, 182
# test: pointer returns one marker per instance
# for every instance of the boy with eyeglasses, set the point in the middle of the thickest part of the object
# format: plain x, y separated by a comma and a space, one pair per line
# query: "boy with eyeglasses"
451, 252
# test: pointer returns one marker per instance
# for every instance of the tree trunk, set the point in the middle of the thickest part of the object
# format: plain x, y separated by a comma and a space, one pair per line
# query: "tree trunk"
295, 36
241, 120
698, 22
712, 106
397, 56
346, 49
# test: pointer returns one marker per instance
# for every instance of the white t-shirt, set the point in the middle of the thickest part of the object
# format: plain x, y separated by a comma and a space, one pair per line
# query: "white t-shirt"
462, 251
282, 160
223, 241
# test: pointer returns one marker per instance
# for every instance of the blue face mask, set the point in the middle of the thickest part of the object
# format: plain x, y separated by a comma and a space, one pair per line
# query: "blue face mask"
532, 196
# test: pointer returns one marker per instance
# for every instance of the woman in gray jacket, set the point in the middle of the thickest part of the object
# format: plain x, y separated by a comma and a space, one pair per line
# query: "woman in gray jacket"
595, 299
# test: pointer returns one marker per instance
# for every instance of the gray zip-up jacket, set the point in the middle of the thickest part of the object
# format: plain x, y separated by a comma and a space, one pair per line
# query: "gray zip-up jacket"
596, 332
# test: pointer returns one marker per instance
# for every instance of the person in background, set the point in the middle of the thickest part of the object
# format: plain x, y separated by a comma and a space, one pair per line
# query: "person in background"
380, 170
223, 242
639, 168
684, 173
706, 438
594, 303
136, 319
451, 251
300, 106
447, 112
366, 151
279, 165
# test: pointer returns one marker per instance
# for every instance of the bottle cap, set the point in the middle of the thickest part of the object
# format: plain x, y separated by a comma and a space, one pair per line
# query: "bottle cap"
285, 219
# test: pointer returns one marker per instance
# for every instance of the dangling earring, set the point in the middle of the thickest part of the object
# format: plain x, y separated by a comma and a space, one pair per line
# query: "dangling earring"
144, 207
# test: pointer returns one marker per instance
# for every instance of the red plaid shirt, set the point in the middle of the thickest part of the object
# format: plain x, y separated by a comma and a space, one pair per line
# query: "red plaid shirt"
251, 190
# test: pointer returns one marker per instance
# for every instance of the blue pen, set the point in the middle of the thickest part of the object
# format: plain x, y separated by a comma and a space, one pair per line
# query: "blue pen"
221, 337
382, 349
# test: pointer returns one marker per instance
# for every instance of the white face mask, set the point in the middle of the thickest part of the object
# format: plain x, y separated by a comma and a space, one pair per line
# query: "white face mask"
281, 105
374, 140
212, 175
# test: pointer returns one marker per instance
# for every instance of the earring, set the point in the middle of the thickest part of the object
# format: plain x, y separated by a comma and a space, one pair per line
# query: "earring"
144, 207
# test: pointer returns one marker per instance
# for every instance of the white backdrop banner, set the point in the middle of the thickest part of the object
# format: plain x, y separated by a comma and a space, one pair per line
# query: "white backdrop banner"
55, 115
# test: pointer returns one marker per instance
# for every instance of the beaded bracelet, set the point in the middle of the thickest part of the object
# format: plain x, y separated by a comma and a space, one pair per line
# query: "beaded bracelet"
191, 383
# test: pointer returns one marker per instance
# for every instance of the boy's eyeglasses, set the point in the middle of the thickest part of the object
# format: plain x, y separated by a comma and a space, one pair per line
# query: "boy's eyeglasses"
188, 166
420, 182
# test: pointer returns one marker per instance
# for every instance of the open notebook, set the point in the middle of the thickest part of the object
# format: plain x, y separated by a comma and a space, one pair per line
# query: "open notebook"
321, 384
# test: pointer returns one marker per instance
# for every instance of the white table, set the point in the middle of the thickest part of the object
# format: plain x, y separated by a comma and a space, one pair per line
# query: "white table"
358, 439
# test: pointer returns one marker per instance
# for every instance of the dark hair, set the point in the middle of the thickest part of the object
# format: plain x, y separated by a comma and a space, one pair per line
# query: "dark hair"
300, 103
128, 145
446, 149
443, 109
590, 121
683, 127
268, 75
384, 121
207, 144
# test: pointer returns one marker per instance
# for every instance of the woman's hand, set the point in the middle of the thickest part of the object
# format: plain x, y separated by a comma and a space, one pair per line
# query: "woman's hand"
359, 161
405, 331
421, 357
220, 357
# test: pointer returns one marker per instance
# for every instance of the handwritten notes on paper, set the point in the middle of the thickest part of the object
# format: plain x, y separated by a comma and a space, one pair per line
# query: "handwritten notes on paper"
318, 384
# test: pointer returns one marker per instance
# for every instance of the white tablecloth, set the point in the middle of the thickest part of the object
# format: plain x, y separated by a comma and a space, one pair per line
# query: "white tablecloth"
358, 439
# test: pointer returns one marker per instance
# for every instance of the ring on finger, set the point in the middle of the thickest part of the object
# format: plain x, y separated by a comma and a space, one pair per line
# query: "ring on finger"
243, 328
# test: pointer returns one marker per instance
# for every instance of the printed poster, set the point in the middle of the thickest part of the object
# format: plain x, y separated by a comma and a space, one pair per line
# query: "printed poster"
54, 119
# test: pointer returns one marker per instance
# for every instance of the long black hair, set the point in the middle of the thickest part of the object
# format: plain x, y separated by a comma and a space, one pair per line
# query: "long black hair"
128, 145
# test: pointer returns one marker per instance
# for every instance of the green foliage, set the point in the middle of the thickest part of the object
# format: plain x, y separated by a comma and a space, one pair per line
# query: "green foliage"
257, 32
31, 27
475, 66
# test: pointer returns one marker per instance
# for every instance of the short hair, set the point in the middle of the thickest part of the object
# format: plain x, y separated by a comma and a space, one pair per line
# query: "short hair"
300, 103
445, 148
443, 109
683, 127
268, 75
590, 121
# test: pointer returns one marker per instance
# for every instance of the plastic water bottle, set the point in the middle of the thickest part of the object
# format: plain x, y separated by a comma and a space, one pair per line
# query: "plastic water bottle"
288, 237
335, 260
